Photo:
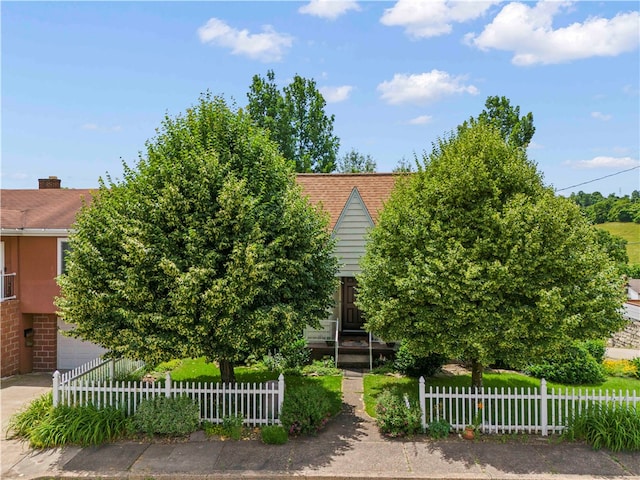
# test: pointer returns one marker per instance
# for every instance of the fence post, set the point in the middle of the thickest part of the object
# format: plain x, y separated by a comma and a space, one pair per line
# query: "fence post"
56, 388
280, 393
422, 400
167, 385
544, 420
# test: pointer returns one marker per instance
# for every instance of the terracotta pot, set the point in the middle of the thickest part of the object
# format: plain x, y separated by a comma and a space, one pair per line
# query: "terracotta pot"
468, 433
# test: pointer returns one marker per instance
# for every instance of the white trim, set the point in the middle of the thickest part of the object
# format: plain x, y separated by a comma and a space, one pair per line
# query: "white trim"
35, 232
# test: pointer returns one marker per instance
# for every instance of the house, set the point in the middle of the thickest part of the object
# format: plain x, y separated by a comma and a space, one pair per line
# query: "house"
629, 337
34, 229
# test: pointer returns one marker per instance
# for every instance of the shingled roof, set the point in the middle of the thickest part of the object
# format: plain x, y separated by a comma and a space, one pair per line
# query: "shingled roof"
47, 209
332, 190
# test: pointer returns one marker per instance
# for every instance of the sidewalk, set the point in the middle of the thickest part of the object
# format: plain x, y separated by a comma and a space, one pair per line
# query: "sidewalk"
350, 447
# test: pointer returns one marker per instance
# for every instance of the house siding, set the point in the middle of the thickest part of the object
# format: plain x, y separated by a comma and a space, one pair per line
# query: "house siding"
11, 335
351, 234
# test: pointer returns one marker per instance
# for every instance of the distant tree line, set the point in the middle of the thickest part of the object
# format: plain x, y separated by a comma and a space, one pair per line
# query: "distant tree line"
601, 209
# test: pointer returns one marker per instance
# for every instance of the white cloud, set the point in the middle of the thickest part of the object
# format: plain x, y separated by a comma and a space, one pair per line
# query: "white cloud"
421, 120
268, 46
330, 9
601, 116
423, 88
528, 32
630, 90
336, 94
433, 17
535, 146
89, 126
605, 162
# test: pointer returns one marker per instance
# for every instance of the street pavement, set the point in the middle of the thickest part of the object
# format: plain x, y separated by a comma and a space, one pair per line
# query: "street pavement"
350, 447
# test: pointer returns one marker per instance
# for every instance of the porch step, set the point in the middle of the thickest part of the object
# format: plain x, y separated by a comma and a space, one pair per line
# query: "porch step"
353, 359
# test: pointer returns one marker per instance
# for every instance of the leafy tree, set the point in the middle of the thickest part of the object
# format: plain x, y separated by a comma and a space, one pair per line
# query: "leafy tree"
473, 257
297, 121
354, 162
614, 246
403, 166
513, 128
206, 248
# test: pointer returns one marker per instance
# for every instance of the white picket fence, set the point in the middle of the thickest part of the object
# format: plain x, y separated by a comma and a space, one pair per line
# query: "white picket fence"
257, 403
102, 369
531, 410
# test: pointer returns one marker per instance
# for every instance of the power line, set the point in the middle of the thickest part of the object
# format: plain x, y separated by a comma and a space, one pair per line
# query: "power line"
596, 179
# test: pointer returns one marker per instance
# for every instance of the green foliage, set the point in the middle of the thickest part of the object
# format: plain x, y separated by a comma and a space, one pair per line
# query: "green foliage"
206, 248
296, 121
636, 363
596, 348
572, 365
354, 162
473, 257
274, 435
630, 232
321, 368
610, 209
22, 423
176, 416
417, 365
439, 428
394, 417
607, 425
232, 424
305, 410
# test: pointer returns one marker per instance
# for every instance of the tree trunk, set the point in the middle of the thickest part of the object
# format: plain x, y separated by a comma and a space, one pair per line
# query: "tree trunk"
476, 375
226, 371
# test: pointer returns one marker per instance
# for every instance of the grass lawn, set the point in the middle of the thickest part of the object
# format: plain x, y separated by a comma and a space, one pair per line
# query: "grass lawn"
630, 232
375, 384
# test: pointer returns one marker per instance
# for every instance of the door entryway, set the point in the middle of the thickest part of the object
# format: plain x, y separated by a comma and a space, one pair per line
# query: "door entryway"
352, 317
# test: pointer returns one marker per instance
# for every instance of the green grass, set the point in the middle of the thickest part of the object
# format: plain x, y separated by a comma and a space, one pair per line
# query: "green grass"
375, 384
630, 232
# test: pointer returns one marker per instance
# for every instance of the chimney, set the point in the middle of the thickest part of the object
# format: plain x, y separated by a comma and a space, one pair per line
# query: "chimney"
51, 182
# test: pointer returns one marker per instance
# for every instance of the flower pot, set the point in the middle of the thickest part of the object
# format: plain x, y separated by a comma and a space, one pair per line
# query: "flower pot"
469, 433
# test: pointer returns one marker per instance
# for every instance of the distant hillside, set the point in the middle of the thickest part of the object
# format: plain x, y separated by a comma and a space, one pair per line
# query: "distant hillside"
630, 232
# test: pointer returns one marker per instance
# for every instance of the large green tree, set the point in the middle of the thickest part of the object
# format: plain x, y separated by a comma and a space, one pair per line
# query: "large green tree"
473, 257
206, 248
355, 162
296, 120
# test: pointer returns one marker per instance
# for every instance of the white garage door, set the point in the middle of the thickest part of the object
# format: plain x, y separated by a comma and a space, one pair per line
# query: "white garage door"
73, 352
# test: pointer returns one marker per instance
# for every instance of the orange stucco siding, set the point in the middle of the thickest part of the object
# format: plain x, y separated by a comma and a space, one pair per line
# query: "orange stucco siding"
37, 271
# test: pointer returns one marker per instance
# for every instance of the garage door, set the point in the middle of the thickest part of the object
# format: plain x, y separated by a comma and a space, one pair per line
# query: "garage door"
73, 352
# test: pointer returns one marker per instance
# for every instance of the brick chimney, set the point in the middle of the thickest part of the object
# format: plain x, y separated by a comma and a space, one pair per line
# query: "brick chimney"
51, 182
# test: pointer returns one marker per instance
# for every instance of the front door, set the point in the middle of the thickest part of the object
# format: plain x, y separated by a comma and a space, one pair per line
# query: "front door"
352, 318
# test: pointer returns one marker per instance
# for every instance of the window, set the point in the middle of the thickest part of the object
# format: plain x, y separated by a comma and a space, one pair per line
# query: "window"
63, 248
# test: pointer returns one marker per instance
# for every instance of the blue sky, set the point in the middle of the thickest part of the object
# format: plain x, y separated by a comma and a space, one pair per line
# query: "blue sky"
85, 85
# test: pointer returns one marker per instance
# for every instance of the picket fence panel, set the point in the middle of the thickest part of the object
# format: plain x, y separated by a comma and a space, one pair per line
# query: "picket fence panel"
530, 410
257, 403
102, 369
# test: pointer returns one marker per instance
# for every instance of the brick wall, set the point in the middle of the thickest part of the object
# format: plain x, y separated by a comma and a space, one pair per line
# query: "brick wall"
45, 350
10, 337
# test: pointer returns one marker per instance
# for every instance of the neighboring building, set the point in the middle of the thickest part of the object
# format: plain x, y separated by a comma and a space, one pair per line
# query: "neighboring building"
629, 337
632, 305
35, 225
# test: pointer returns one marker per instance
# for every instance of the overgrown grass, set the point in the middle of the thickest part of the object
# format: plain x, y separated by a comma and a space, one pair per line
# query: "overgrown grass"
375, 384
630, 232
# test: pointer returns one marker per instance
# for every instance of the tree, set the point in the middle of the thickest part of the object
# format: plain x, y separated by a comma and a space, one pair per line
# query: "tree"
403, 166
207, 248
354, 162
513, 128
296, 120
473, 257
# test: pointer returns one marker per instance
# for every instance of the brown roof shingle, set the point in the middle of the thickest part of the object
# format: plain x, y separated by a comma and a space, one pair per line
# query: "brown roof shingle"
41, 209
332, 190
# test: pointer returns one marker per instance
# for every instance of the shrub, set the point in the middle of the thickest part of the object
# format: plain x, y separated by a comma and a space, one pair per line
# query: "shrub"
396, 417
597, 349
167, 416
321, 368
416, 366
305, 410
573, 365
439, 428
290, 357
274, 435
612, 426
619, 368
232, 425
636, 363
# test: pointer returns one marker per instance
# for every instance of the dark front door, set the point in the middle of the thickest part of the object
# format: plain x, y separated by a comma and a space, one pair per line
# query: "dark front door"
352, 318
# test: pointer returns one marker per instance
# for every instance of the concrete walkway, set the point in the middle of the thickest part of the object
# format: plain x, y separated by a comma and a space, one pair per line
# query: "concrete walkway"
349, 447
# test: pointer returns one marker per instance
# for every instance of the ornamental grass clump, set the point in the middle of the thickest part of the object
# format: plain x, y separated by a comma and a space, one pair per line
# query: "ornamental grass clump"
607, 425
396, 417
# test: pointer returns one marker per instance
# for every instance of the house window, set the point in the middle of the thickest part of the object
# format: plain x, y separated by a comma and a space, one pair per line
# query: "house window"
63, 248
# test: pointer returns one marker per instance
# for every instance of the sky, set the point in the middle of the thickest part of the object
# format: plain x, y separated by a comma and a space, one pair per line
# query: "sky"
84, 85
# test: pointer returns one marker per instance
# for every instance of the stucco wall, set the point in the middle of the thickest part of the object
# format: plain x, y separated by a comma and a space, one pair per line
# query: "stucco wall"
38, 269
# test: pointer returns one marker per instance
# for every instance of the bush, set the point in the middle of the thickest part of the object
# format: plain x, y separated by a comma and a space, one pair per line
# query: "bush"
636, 363
612, 426
395, 418
439, 428
305, 410
416, 366
620, 368
274, 435
290, 357
573, 365
167, 416
597, 349
321, 368
232, 425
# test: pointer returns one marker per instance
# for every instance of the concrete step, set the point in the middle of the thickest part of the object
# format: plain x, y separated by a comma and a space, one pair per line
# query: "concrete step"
353, 359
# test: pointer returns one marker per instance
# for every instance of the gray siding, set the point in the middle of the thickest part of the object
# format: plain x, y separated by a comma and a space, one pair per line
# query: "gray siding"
351, 233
